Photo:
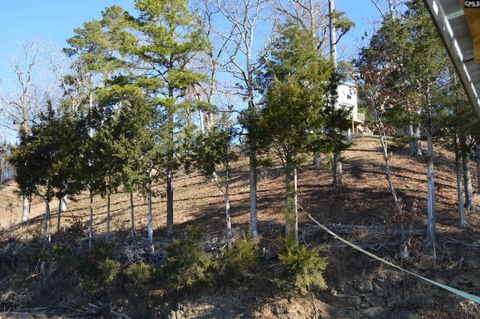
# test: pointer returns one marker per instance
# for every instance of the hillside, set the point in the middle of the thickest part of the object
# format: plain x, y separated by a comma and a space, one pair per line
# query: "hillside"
359, 287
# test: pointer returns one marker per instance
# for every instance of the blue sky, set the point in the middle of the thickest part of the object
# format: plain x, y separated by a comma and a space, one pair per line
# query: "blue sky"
53, 21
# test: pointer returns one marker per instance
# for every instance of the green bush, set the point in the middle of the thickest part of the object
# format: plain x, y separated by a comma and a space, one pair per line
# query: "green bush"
187, 263
304, 268
109, 270
104, 249
240, 260
98, 277
139, 275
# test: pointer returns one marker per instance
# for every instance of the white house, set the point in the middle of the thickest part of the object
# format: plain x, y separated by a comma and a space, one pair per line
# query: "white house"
347, 99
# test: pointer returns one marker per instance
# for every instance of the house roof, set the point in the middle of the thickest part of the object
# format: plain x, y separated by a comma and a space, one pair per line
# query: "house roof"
460, 31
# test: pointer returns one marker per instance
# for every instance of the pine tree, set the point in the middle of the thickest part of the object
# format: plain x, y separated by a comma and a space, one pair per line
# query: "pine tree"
158, 47
295, 81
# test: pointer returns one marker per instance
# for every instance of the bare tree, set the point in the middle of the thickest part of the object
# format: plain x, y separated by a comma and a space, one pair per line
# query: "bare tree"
390, 7
211, 63
244, 57
380, 97
19, 109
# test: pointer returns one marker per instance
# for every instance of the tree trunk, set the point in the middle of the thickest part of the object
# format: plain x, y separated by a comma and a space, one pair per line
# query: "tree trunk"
417, 141
431, 189
226, 197
337, 161
332, 32
398, 208
26, 208
253, 194
62, 206
349, 135
458, 170
317, 160
107, 235
170, 203
477, 161
46, 225
411, 136
90, 224
150, 219
467, 179
202, 121
132, 215
337, 171
59, 216
288, 201
295, 202
63, 203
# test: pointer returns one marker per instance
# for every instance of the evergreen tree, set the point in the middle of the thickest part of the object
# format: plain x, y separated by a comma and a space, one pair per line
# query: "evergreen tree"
295, 81
158, 47
212, 154
43, 167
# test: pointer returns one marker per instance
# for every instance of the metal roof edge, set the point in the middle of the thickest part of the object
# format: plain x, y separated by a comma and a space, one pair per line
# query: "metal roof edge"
451, 44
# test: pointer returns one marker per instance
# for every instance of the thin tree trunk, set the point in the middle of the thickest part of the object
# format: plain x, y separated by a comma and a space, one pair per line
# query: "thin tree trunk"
317, 160
90, 227
150, 218
63, 203
417, 142
431, 189
332, 32
107, 235
337, 160
458, 170
132, 215
337, 171
393, 191
288, 200
411, 136
170, 167
59, 216
226, 197
26, 208
295, 202
169, 203
467, 179
253, 194
46, 225
202, 121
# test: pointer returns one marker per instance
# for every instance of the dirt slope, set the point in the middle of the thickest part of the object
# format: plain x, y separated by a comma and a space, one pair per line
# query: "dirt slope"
365, 199
360, 288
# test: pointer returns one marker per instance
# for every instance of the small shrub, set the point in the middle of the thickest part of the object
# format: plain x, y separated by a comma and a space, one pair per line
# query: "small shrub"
99, 277
104, 249
109, 270
304, 268
240, 260
63, 254
139, 275
187, 263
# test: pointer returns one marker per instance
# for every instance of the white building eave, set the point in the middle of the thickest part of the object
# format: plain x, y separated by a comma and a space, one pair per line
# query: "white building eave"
452, 24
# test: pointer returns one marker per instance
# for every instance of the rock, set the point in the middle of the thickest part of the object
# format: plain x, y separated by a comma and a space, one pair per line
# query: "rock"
406, 315
372, 312
366, 285
355, 300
